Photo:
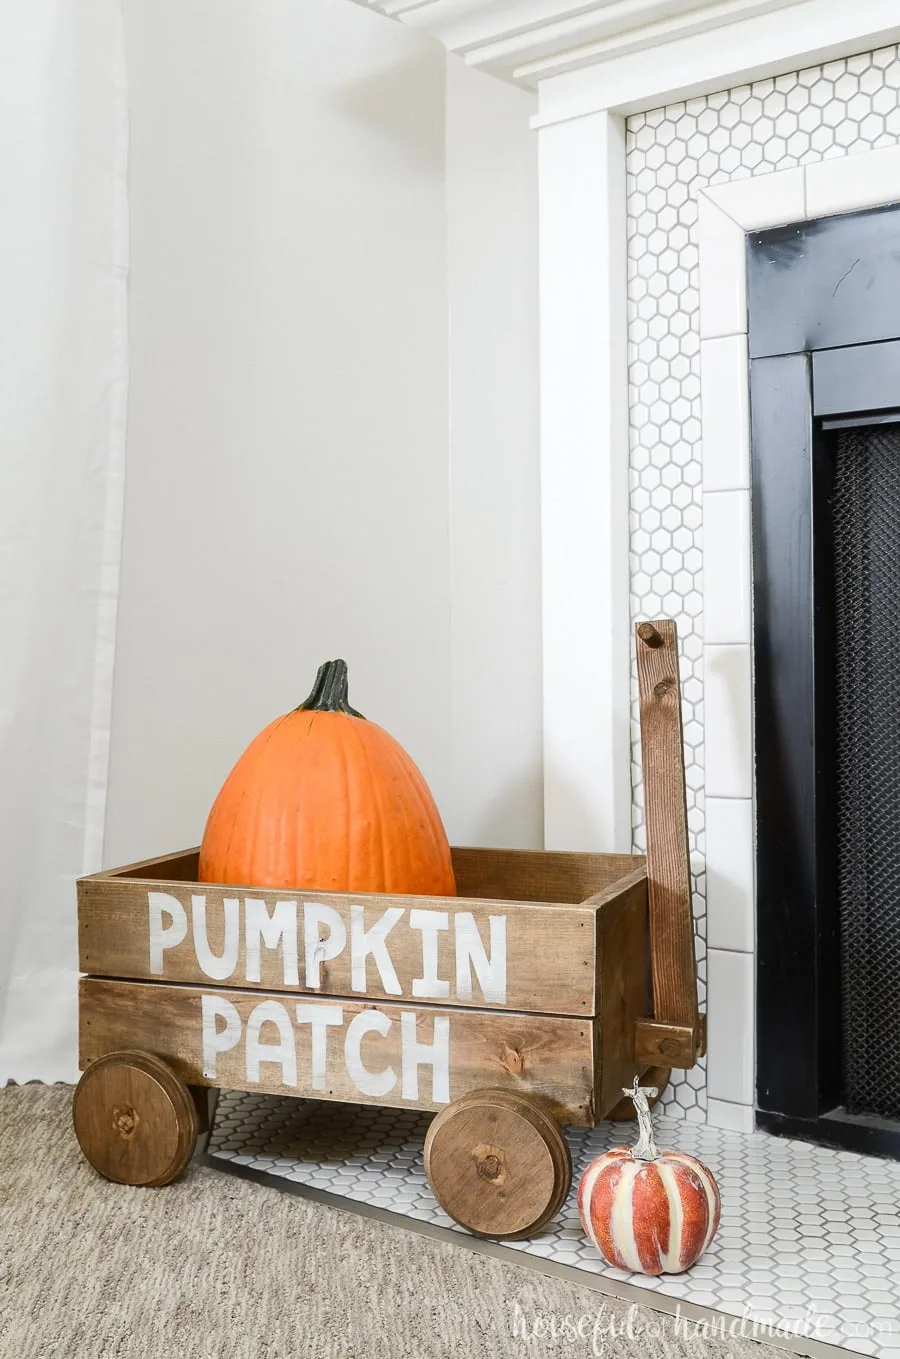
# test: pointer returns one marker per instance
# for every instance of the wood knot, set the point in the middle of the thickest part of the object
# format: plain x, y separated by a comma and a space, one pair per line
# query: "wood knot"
670, 1047
125, 1121
665, 687
490, 1162
513, 1061
649, 635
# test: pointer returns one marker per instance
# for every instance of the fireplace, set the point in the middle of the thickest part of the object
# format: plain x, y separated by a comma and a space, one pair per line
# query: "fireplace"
824, 347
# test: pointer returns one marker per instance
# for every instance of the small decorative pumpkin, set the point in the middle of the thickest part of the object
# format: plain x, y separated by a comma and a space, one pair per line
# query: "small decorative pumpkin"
653, 1212
322, 800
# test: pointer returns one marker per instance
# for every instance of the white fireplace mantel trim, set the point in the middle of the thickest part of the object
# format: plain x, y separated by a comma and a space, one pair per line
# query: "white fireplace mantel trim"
584, 437
525, 40
582, 243
752, 46
726, 213
584, 486
585, 56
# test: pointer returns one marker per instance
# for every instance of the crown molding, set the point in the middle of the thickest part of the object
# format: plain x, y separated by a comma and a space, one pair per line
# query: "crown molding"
627, 55
526, 41
755, 45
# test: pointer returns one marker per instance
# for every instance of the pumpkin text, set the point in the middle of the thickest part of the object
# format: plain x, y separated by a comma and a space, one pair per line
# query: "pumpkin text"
273, 1029
308, 934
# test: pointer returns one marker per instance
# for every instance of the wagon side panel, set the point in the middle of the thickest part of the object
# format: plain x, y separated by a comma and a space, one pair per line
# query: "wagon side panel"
624, 982
397, 1055
161, 930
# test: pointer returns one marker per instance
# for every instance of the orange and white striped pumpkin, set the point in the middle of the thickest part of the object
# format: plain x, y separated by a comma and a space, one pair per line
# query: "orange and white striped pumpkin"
653, 1212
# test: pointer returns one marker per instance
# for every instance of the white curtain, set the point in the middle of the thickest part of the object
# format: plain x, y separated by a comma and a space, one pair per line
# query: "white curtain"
63, 354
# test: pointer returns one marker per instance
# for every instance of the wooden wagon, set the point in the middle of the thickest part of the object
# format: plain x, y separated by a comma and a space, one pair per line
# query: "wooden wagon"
525, 1003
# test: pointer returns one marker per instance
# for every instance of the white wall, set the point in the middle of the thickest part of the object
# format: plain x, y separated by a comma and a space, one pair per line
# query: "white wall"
288, 492
495, 483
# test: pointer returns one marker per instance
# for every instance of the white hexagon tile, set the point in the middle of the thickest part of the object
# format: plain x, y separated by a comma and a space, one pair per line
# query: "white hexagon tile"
841, 108
809, 1238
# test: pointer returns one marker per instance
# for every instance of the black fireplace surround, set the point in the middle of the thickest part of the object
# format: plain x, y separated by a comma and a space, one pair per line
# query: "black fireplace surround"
824, 344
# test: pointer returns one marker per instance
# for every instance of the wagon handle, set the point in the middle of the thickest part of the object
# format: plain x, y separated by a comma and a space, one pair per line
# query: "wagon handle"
676, 1034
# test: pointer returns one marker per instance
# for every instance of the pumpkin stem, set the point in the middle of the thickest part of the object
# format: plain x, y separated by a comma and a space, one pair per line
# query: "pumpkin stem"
329, 693
644, 1148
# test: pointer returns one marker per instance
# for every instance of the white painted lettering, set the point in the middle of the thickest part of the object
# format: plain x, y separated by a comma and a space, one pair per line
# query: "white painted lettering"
371, 1083
430, 923
319, 1017
318, 949
373, 941
435, 1054
217, 968
280, 927
168, 936
216, 1040
283, 1052
471, 955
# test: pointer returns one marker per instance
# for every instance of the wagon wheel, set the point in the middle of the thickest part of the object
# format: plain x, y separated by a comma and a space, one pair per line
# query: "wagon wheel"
624, 1110
135, 1120
498, 1163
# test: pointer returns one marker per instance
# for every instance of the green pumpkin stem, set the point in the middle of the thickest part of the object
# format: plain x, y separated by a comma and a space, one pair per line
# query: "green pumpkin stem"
329, 693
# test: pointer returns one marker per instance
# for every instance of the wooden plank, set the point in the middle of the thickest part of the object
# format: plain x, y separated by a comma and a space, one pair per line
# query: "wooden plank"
342, 1050
622, 969
491, 874
454, 951
674, 967
537, 875
657, 1044
182, 866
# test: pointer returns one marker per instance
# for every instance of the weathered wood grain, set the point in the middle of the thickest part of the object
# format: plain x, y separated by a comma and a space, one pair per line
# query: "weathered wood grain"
670, 1044
550, 950
622, 965
548, 1057
538, 875
492, 874
135, 1120
668, 862
182, 866
498, 1164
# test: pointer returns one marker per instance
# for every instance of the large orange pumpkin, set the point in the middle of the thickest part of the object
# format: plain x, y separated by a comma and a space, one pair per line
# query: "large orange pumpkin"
323, 800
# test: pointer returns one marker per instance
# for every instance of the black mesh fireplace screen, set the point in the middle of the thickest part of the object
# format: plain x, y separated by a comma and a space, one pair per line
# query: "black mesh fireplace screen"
866, 527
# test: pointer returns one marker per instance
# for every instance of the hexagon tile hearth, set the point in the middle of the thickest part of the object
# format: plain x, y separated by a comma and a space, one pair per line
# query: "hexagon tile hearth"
840, 108
809, 1236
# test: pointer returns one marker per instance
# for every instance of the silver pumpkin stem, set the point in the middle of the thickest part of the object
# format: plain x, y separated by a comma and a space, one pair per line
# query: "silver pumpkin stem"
645, 1148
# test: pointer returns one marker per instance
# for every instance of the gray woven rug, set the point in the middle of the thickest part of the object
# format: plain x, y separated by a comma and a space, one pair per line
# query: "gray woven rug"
218, 1268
